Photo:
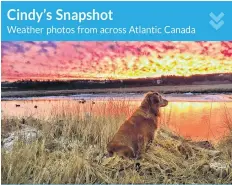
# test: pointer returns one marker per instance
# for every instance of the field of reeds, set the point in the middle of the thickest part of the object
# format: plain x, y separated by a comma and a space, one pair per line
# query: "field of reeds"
71, 148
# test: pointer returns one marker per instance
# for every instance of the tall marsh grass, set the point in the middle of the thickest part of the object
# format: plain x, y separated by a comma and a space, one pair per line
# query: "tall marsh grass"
72, 148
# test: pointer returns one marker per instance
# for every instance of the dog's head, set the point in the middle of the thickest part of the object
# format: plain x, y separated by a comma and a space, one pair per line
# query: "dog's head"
152, 102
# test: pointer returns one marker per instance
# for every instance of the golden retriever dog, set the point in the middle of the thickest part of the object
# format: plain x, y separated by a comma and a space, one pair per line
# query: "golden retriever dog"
136, 133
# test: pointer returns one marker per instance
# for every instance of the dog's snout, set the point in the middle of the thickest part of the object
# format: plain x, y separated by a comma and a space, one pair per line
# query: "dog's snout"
164, 103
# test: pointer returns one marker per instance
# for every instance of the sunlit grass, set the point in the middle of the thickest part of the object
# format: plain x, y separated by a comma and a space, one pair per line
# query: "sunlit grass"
72, 148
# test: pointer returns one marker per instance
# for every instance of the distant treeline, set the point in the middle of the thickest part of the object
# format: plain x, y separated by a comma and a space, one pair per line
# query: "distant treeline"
92, 84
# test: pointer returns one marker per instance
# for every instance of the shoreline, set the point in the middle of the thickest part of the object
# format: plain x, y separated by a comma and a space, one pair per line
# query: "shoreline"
216, 88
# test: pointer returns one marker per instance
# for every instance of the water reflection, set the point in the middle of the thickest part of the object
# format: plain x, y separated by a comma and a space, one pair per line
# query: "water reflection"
196, 120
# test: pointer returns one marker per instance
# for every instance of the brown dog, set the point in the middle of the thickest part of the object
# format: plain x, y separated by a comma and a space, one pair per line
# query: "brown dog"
135, 135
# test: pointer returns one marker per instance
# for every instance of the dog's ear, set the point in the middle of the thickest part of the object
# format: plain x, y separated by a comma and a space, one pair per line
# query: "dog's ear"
146, 103
154, 98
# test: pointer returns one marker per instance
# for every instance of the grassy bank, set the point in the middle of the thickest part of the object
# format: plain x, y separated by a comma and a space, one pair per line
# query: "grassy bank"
213, 88
71, 149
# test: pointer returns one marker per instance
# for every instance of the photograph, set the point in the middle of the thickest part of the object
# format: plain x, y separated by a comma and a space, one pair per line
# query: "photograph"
116, 112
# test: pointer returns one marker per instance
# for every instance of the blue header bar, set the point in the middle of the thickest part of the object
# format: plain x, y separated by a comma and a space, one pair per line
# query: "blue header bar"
116, 21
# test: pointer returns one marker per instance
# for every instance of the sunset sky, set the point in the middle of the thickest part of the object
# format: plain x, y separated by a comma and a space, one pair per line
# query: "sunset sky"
112, 60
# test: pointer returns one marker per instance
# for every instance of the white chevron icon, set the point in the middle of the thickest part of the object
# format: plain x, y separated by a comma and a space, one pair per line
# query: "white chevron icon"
216, 21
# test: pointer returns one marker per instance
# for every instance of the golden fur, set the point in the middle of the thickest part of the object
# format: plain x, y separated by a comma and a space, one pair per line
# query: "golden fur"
136, 133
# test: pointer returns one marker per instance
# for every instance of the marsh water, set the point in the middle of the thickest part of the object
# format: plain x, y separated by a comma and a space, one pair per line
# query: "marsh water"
199, 117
